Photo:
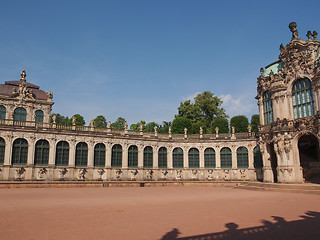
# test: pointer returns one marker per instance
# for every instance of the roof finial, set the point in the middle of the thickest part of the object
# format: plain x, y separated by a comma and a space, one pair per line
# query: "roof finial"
293, 29
23, 75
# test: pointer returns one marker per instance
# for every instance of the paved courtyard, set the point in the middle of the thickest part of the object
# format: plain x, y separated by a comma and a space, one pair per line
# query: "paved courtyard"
157, 213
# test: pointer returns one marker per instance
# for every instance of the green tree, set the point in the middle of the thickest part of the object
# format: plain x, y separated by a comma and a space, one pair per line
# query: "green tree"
60, 119
164, 127
205, 108
255, 121
179, 124
79, 120
100, 121
195, 128
150, 126
136, 126
222, 123
119, 124
240, 123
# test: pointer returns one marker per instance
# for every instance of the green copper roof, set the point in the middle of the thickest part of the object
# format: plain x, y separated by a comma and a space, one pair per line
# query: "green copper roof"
274, 67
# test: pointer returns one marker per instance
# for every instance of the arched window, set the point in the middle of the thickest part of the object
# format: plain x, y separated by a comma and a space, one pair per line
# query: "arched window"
209, 158
41, 155
20, 152
81, 154
177, 158
242, 157
99, 155
2, 112
226, 157
2, 150
267, 108
62, 153
162, 157
133, 156
116, 156
20, 116
148, 157
302, 99
193, 157
39, 116
258, 163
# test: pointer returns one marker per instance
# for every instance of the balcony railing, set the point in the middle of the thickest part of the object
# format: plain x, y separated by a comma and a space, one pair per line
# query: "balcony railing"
110, 131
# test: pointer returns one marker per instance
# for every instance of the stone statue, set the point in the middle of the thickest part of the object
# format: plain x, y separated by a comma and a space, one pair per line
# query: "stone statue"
217, 130
92, 123
54, 118
293, 29
74, 121
233, 129
141, 127
155, 129
49, 95
125, 126
23, 75
315, 34
201, 131
309, 35
109, 124
185, 131
261, 71
249, 128
169, 130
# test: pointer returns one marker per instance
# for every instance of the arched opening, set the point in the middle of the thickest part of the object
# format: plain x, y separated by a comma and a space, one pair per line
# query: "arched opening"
148, 157
62, 154
274, 162
193, 157
162, 157
309, 158
133, 156
99, 155
41, 155
116, 156
177, 158
81, 154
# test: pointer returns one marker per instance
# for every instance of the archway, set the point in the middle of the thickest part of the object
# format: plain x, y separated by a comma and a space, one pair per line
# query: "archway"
309, 158
274, 163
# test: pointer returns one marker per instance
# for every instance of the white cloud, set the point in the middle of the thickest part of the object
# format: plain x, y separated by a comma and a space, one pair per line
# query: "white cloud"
238, 106
190, 97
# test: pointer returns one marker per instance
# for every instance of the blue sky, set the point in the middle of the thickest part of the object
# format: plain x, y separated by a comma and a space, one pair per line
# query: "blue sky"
140, 59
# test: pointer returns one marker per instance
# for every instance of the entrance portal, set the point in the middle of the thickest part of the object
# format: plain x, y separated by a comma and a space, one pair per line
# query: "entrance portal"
309, 158
274, 163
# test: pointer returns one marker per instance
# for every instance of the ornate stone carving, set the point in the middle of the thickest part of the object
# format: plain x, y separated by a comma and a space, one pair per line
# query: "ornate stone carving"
22, 93
134, 173
49, 96
210, 175
149, 175
164, 174
41, 172
63, 173
178, 174
118, 173
20, 173
101, 172
82, 174
293, 29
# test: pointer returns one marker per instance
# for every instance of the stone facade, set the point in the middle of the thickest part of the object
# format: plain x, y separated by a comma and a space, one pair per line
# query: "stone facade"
30, 149
288, 100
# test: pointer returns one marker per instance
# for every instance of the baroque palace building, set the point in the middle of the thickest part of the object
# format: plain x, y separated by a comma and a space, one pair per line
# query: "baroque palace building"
286, 148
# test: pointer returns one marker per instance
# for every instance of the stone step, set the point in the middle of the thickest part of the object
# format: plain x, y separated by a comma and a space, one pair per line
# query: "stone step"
273, 187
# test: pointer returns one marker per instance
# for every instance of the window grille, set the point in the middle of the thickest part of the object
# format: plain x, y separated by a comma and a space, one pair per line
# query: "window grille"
148, 157
258, 163
209, 158
41, 155
177, 158
193, 158
133, 156
19, 152
267, 108
81, 155
2, 150
226, 158
162, 157
99, 155
302, 99
242, 157
116, 156
62, 154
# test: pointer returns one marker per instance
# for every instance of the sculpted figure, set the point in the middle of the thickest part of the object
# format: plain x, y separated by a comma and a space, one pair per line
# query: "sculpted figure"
74, 121
109, 124
293, 29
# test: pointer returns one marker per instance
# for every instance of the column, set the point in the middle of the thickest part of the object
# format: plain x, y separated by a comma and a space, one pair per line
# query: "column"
52, 152
155, 156
251, 157
8, 151
125, 156
108, 155
234, 157
140, 155
72, 149
169, 157
260, 104
91, 154
185, 157
218, 159
201, 156
31, 146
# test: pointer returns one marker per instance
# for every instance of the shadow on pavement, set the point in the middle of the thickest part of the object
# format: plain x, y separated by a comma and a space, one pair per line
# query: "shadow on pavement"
306, 228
